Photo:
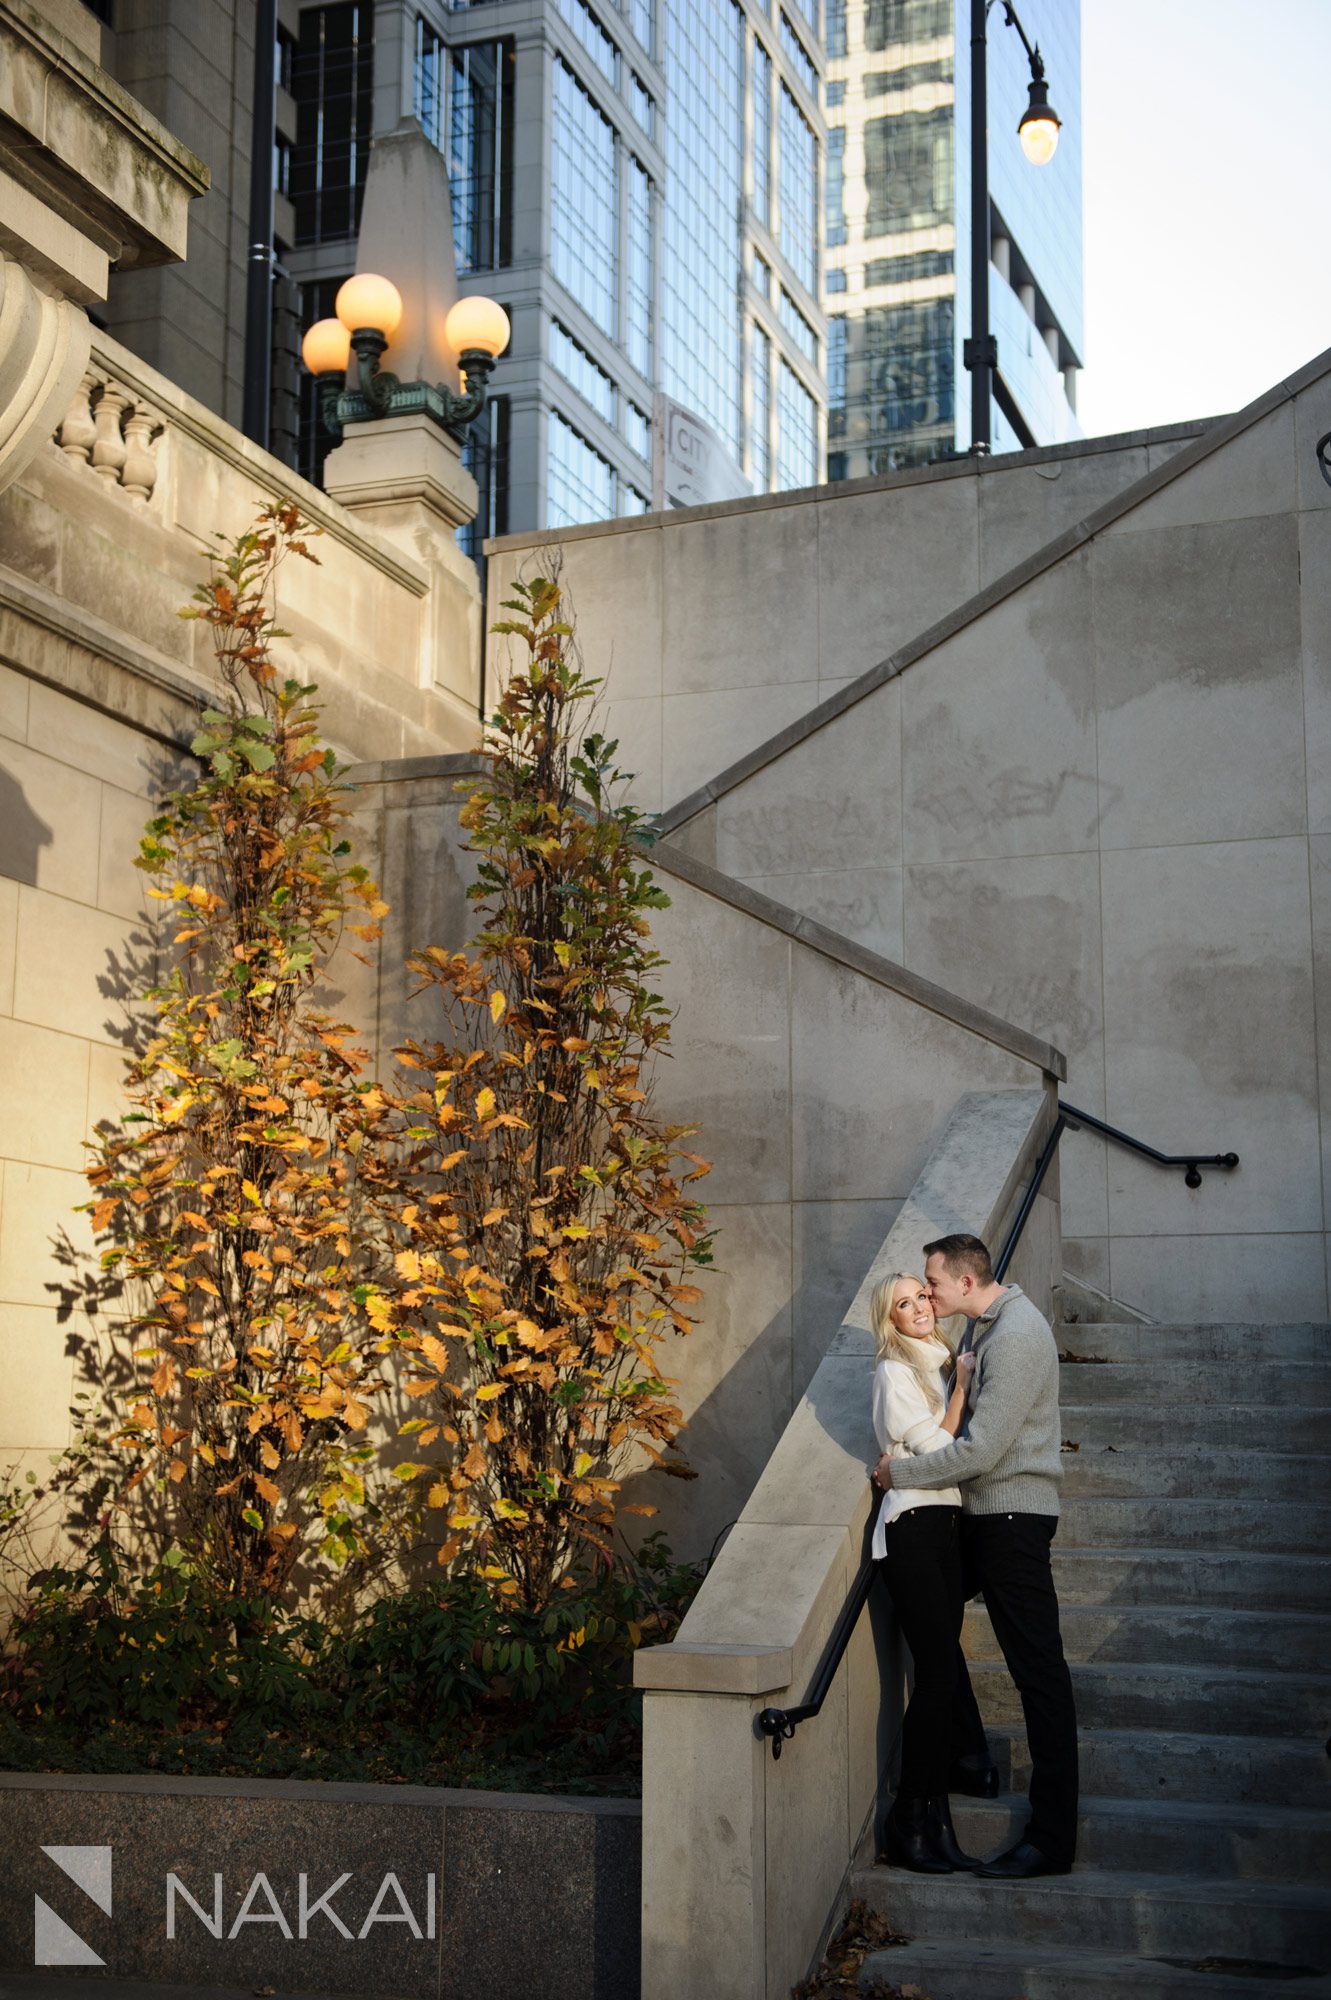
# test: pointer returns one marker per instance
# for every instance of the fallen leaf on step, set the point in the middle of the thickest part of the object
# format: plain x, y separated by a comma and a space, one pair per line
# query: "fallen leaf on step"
1068, 1445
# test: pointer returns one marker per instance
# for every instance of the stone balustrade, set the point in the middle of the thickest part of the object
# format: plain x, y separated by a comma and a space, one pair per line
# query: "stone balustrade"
115, 432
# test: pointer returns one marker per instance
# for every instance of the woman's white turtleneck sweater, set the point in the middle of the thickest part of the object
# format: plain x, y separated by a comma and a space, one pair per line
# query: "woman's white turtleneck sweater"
904, 1420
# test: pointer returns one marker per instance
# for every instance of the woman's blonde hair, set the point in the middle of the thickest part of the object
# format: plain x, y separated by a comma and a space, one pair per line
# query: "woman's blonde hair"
893, 1345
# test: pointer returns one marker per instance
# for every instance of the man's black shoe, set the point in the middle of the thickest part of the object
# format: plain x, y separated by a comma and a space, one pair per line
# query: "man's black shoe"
975, 1781
1019, 1863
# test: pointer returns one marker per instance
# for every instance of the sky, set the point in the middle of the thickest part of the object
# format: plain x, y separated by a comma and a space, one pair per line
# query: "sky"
1207, 164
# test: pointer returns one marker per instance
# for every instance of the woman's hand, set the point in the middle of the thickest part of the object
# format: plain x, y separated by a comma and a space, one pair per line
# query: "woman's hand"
882, 1472
965, 1368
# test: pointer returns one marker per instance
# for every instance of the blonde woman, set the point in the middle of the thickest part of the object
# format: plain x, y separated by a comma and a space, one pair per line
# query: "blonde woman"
917, 1539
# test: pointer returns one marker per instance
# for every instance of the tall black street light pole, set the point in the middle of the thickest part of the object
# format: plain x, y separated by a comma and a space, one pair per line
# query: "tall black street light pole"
1038, 131
259, 265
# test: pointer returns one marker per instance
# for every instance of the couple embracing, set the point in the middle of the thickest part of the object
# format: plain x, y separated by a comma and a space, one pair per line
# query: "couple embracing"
970, 1472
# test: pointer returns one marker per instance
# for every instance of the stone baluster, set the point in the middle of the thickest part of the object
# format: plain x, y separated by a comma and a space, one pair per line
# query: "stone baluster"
78, 433
108, 453
139, 473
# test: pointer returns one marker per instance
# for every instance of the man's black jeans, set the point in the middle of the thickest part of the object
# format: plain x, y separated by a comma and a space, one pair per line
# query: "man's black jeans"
922, 1569
1007, 1557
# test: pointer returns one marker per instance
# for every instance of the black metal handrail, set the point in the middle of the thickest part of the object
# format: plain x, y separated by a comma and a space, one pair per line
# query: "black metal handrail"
780, 1724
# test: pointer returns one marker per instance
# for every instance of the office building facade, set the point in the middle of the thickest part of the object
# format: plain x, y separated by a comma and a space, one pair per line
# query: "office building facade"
639, 182
898, 233
640, 185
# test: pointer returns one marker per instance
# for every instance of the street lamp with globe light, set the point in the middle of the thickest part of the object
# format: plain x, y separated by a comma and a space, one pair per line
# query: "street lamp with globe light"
1038, 130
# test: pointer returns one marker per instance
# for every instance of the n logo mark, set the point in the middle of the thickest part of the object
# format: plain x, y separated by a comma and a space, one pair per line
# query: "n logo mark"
54, 1943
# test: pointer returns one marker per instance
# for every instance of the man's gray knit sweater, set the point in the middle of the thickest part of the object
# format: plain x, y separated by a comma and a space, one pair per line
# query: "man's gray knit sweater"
1007, 1460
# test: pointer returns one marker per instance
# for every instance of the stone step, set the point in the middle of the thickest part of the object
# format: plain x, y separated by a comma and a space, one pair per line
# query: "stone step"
1283, 1527
1268, 1843
1287, 1383
1306, 1340
1253, 1429
1185, 1577
1291, 1641
959, 1969
1181, 1765
1239, 1701
1187, 1472
1100, 1910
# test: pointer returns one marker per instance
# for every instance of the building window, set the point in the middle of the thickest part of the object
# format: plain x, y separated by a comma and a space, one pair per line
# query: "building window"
282, 167
638, 332
333, 74
760, 408
700, 316
641, 105
593, 38
798, 192
580, 484
637, 432
800, 60
313, 442
908, 171
576, 366
630, 500
430, 88
809, 9
762, 135
480, 153
835, 189
796, 431
642, 20
284, 66
793, 320
584, 230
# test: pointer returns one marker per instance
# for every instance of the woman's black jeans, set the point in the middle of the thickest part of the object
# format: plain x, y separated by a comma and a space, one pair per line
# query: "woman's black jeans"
922, 1568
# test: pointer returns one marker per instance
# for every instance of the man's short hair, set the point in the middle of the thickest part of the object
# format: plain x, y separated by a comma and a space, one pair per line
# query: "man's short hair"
963, 1253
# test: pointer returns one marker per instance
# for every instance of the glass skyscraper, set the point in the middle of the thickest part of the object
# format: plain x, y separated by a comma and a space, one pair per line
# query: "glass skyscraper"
898, 232
639, 183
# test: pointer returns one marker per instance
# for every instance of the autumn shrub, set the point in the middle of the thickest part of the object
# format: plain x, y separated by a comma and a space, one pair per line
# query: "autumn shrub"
228, 1199
546, 1216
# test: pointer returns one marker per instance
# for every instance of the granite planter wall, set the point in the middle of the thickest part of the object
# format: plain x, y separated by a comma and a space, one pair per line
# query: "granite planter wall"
320, 1888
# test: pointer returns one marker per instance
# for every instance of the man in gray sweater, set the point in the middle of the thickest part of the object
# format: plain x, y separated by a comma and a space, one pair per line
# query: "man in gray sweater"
1007, 1462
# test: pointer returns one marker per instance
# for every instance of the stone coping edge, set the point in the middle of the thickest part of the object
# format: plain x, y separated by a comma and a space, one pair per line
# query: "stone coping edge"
40, 606
301, 1790
961, 467
778, 916
1212, 439
702, 1669
236, 450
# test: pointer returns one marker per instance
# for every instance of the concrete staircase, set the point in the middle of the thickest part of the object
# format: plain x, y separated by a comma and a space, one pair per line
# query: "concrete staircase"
1196, 1594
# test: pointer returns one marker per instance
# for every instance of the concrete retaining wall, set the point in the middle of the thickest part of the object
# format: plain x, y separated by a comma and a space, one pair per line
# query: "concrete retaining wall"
490, 1895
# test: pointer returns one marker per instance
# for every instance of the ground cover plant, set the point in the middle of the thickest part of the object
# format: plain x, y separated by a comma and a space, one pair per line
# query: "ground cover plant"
278, 1575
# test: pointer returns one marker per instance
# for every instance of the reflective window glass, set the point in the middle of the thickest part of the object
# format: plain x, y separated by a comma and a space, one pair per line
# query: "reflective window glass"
798, 191
642, 20
429, 92
700, 329
576, 366
762, 134
593, 37
630, 500
480, 153
796, 431
793, 320
638, 276
760, 408
801, 61
580, 485
640, 102
584, 234
333, 74
637, 432
834, 191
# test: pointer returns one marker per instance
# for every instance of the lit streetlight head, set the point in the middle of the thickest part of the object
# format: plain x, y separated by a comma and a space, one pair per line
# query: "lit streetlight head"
1039, 125
477, 326
326, 348
369, 301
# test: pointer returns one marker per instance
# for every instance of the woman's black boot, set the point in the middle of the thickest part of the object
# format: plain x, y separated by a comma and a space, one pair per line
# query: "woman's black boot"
907, 1840
941, 1835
